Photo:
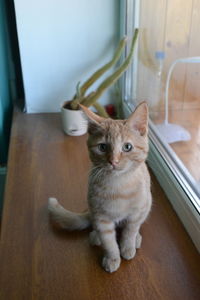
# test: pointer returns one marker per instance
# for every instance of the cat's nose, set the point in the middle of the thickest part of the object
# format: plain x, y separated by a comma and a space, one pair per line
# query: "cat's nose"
114, 163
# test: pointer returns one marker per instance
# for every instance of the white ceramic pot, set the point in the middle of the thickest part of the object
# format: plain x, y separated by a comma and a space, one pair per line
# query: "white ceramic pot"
74, 121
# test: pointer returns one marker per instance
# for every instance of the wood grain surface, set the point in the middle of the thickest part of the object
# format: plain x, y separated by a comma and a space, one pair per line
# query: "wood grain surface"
39, 261
187, 151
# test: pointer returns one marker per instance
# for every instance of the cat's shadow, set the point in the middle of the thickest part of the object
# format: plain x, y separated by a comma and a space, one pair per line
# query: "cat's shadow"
95, 252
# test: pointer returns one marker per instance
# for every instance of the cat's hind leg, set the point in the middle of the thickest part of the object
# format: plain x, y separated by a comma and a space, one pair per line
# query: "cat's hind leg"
138, 241
94, 238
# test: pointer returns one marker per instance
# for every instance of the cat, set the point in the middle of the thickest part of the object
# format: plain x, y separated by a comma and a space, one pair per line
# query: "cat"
119, 186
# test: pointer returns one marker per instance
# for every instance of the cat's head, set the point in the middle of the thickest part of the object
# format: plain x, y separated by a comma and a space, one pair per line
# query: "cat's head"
118, 145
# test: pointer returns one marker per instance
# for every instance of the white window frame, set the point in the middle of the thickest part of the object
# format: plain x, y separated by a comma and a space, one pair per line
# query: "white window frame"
166, 166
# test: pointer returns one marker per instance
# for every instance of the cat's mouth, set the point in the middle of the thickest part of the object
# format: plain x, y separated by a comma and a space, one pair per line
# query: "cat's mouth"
114, 168
119, 169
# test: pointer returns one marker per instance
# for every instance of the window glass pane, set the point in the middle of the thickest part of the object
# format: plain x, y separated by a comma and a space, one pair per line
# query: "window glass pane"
167, 76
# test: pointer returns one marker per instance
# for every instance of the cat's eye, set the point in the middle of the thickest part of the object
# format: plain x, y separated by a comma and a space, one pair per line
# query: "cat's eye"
127, 147
102, 147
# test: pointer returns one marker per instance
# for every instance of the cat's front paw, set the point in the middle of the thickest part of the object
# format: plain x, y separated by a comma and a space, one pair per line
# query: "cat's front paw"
128, 252
111, 264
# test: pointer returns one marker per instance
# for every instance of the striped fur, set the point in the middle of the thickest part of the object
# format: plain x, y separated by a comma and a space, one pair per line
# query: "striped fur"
119, 186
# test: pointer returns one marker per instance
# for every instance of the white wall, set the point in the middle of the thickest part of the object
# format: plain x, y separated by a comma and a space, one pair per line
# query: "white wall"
62, 42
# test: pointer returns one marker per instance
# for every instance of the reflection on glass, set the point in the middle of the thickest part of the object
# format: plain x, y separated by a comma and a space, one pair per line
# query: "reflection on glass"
168, 74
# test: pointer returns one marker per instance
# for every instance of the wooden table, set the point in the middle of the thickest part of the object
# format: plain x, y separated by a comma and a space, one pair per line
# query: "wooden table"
38, 261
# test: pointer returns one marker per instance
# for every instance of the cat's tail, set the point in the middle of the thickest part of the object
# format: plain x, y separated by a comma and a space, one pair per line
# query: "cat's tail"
67, 219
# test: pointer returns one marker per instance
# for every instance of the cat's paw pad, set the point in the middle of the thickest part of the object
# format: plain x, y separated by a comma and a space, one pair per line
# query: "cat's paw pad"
128, 252
94, 239
138, 241
111, 264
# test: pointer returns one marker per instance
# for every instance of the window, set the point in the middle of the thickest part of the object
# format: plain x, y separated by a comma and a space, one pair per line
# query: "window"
166, 73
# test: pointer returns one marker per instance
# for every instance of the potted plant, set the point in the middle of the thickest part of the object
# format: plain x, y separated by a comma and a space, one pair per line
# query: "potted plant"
74, 122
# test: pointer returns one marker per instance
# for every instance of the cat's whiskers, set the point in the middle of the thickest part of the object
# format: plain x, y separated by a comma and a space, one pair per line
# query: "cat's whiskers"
97, 172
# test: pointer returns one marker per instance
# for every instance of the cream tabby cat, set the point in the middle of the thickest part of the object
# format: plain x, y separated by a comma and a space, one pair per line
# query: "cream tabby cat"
119, 186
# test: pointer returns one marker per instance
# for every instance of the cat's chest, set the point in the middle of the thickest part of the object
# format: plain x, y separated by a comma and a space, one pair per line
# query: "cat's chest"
116, 209
114, 201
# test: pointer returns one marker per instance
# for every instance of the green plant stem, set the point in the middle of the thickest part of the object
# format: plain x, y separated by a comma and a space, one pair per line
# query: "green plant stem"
74, 103
78, 92
91, 99
101, 110
103, 69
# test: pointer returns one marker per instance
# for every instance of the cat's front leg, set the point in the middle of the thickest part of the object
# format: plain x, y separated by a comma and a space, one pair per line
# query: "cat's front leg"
106, 231
94, 238
130, 240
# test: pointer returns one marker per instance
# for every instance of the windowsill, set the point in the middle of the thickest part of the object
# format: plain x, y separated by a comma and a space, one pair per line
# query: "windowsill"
37, 259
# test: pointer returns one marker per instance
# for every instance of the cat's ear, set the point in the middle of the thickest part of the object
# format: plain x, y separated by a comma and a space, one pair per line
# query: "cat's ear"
91, 115
138, 120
